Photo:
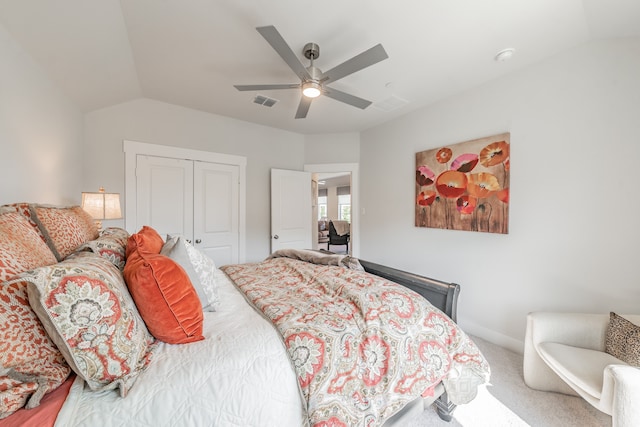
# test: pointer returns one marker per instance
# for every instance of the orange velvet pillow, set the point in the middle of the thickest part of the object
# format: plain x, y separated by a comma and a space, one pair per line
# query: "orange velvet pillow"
166, 299
147, 240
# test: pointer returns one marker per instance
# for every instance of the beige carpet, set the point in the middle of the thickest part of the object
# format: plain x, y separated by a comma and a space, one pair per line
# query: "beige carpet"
507, 401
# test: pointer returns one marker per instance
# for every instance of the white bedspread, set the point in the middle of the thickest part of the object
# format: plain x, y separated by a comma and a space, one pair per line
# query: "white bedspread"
211, 382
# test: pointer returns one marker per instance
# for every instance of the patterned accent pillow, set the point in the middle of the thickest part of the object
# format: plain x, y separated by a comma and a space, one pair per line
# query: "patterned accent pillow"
165, 297
84, 305
21, 248
64, 228
30, 364
118, 234
147, 241
623, 340
111, 244
23, 209
199, 267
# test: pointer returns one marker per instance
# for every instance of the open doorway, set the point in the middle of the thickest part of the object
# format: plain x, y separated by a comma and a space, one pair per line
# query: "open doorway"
334, 211
340, 180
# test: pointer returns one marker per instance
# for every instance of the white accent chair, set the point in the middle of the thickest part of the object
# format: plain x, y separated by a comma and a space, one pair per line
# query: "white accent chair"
565, 353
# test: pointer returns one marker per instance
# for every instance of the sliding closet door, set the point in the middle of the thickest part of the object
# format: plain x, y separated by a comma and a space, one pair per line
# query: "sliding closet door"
216, 211
165, 195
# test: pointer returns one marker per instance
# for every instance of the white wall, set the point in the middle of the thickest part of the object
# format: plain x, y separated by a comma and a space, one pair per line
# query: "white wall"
156, 122
40, 133
574, 229
332, 148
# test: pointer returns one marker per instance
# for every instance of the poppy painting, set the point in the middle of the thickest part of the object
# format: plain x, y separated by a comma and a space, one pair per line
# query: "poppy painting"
465, 186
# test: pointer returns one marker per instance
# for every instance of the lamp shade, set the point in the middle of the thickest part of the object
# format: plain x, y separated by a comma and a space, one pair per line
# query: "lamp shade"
102, 205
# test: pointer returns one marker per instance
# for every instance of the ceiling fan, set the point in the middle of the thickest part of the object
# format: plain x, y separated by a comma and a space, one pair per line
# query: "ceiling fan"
313, 81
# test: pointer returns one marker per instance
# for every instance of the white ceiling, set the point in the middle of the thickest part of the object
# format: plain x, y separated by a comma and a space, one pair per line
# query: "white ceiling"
192, 52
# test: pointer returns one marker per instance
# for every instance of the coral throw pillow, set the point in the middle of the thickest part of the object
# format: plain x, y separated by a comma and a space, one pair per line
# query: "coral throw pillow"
165, 297
147, 241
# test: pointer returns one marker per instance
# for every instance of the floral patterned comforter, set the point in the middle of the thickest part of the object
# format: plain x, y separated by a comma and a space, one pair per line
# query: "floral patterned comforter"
362, 347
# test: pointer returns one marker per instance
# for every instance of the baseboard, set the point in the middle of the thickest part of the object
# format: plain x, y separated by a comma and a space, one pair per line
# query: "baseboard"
472, 328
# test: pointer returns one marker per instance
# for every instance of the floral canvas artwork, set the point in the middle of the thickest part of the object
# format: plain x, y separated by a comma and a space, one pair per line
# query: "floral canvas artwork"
464, 186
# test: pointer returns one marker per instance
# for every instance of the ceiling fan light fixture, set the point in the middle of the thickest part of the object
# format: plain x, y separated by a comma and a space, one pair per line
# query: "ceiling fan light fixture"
311, 89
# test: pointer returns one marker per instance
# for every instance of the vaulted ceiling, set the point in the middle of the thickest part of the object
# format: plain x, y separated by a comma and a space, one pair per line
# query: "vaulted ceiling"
192, 52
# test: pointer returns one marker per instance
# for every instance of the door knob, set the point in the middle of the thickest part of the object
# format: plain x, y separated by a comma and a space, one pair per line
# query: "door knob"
276, 237
198, 241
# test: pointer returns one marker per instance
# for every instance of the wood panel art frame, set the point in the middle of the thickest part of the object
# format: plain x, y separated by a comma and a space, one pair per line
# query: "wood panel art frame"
465, 186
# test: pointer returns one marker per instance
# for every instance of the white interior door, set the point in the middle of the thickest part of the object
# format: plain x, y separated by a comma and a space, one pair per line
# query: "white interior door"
165, 195
216, 207
290, 209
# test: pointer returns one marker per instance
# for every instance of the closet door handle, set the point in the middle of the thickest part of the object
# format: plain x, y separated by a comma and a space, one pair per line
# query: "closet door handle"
276, 237
198, 241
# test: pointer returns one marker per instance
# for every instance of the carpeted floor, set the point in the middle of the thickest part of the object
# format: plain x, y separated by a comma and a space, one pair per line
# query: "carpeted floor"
507, 401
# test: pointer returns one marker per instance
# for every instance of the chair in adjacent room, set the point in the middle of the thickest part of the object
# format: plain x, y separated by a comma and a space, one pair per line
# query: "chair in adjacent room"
339, 234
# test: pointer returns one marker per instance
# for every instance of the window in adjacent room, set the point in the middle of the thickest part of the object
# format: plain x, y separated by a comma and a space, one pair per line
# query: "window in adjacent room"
344, 203
322, 204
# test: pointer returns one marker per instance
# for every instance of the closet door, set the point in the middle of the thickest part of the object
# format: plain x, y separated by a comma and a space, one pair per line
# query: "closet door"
216, 207
164, 188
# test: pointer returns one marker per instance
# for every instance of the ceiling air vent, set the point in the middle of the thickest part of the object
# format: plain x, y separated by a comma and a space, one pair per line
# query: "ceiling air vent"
264, 100
390, 104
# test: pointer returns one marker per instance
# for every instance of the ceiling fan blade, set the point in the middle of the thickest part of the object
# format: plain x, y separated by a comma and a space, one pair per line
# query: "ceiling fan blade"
276, 41
266, 87
357, 63
338, 95
303, 107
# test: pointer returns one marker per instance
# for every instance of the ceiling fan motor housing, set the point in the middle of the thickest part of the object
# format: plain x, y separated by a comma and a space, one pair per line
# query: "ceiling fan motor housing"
315, 73
311, 51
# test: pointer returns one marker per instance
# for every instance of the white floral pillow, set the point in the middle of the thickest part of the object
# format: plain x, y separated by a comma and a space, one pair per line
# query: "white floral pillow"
206, 269
89, 314
199, 267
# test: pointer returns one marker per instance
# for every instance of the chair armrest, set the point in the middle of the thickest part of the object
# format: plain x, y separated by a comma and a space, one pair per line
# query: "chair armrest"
574, 329
626, 411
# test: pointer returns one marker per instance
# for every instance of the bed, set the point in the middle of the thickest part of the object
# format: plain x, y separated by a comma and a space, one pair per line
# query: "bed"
243, 367
245, 371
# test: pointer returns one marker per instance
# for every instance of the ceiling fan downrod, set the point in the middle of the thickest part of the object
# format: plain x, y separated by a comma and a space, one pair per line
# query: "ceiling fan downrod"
312, 88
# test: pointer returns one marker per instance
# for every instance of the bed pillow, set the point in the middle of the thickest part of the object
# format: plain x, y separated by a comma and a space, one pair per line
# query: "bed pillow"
147, 240
111, 244
23, 209
623, 340
31, 364
199, 267
64, 228
84, 305
119, 235
167, 300
21, 247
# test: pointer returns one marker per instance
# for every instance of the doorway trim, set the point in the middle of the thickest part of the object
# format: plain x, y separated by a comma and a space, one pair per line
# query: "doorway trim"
134, 148
353, 168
